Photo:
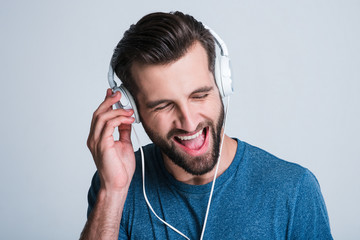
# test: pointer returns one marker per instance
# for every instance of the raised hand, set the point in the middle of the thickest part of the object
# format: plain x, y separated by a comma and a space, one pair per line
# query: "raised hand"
114, 159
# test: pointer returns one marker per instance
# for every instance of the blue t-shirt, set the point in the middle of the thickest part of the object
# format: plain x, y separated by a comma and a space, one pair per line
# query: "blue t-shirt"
258, 197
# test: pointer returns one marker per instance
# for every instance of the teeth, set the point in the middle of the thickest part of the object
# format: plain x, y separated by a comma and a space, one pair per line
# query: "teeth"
183, 138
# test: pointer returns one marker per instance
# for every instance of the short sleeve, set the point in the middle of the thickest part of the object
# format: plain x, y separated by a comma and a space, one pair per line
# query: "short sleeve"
93, 191
310, 218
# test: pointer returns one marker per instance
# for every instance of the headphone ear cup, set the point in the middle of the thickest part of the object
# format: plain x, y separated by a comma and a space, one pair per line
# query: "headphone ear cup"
226, 82
126, 101
223, 76
218, 77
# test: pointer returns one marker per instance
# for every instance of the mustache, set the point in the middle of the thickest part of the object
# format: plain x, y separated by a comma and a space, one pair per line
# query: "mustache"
177, 131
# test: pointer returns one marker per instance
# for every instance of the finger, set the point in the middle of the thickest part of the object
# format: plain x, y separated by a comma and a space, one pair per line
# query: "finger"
108, 92
96, 112
108, 130
103, 118
110, 100
125, 133
105, 106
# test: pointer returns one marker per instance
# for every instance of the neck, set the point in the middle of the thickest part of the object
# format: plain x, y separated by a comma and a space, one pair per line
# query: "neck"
227, 156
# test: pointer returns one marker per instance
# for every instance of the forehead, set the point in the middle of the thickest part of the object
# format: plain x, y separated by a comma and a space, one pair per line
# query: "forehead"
180, 77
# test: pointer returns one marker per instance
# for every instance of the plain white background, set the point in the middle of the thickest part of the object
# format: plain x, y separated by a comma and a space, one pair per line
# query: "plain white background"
296, 69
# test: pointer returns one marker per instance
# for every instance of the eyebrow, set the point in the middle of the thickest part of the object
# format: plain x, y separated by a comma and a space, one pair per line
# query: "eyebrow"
153, 104
203, 90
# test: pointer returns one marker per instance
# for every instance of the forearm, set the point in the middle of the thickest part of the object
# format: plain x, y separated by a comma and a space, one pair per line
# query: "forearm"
104, 221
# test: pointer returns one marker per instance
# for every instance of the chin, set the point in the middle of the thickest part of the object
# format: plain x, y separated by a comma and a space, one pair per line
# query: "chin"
196, 161
198, 157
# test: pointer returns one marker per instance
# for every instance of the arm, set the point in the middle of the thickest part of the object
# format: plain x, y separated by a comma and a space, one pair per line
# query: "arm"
115, 161
104, 220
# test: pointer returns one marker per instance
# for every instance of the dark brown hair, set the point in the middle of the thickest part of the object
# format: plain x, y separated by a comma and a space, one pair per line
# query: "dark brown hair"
159, 38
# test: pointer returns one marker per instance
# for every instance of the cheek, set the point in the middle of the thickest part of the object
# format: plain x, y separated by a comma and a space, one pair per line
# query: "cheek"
157, 123
211, 109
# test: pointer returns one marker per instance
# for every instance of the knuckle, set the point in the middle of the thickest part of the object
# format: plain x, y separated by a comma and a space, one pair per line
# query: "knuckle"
88, 143
109, 124
100, 117
95, 114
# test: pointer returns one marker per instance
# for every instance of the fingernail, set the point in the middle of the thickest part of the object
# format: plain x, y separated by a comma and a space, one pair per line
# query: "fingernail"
114, 94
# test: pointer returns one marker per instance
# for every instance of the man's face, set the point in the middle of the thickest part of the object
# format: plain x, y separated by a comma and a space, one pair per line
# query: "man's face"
181, 109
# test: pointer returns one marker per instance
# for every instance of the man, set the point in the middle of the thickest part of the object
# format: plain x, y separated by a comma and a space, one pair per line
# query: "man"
167, 62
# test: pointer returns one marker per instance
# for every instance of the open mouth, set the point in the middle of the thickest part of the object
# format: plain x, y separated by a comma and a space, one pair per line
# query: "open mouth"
195, 142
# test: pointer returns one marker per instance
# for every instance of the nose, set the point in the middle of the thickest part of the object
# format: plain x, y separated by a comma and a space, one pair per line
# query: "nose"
186, 118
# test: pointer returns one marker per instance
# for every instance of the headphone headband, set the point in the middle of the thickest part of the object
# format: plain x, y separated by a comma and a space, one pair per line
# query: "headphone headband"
222, 68
219, 42
111, 80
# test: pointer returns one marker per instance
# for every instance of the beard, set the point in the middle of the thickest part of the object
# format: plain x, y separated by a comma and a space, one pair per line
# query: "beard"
197, 165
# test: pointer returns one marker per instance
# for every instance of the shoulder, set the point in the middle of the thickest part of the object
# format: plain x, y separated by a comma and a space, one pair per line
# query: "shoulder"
260, 158
269, 170
291, 186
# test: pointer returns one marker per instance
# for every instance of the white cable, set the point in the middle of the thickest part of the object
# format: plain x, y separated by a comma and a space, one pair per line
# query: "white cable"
144, 192
212, 186
216, 170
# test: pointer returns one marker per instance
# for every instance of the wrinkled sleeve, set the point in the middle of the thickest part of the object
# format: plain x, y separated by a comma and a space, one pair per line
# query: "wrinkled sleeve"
310, 217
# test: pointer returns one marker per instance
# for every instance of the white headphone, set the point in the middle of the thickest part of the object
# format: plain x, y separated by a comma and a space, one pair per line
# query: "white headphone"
222, 77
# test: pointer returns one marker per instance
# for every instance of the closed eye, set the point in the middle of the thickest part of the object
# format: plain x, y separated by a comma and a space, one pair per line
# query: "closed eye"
162, 107
201, 96
202, 92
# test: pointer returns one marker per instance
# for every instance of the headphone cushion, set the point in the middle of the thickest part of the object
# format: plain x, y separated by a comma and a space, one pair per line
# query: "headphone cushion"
127, 101
226, 82
218, 77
